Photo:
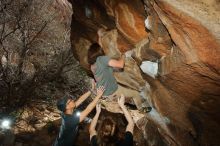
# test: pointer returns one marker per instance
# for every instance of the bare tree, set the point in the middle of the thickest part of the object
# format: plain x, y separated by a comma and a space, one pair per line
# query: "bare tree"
34, 49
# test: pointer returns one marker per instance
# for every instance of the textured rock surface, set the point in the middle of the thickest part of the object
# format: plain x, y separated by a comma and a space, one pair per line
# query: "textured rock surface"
183, 36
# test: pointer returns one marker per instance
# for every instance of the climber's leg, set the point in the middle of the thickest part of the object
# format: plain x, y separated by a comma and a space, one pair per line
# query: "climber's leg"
131, 95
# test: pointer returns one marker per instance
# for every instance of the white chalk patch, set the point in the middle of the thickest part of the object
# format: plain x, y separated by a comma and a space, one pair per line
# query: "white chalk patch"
166, 120
147, 86
129, 53
147, 23
161, 120
150, 68
146, 96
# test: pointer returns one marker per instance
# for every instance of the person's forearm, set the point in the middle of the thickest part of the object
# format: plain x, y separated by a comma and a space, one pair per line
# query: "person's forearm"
89, 108
130, 126
94, 122
93, 103
83, 98
127, 114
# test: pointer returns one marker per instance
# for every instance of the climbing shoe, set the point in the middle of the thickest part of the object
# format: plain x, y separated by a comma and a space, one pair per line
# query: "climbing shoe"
146, 109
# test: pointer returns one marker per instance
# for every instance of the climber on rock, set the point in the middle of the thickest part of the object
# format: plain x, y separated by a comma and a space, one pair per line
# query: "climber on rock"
107, 134
71, 117
102, 68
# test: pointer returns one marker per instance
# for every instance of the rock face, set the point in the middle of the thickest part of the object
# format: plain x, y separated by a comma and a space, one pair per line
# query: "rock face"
183, 36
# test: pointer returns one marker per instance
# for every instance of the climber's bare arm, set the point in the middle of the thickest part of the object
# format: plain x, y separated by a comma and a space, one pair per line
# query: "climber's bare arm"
117, 63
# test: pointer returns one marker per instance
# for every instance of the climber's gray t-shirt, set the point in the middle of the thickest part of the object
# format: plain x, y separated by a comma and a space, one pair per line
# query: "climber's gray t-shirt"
103, 74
